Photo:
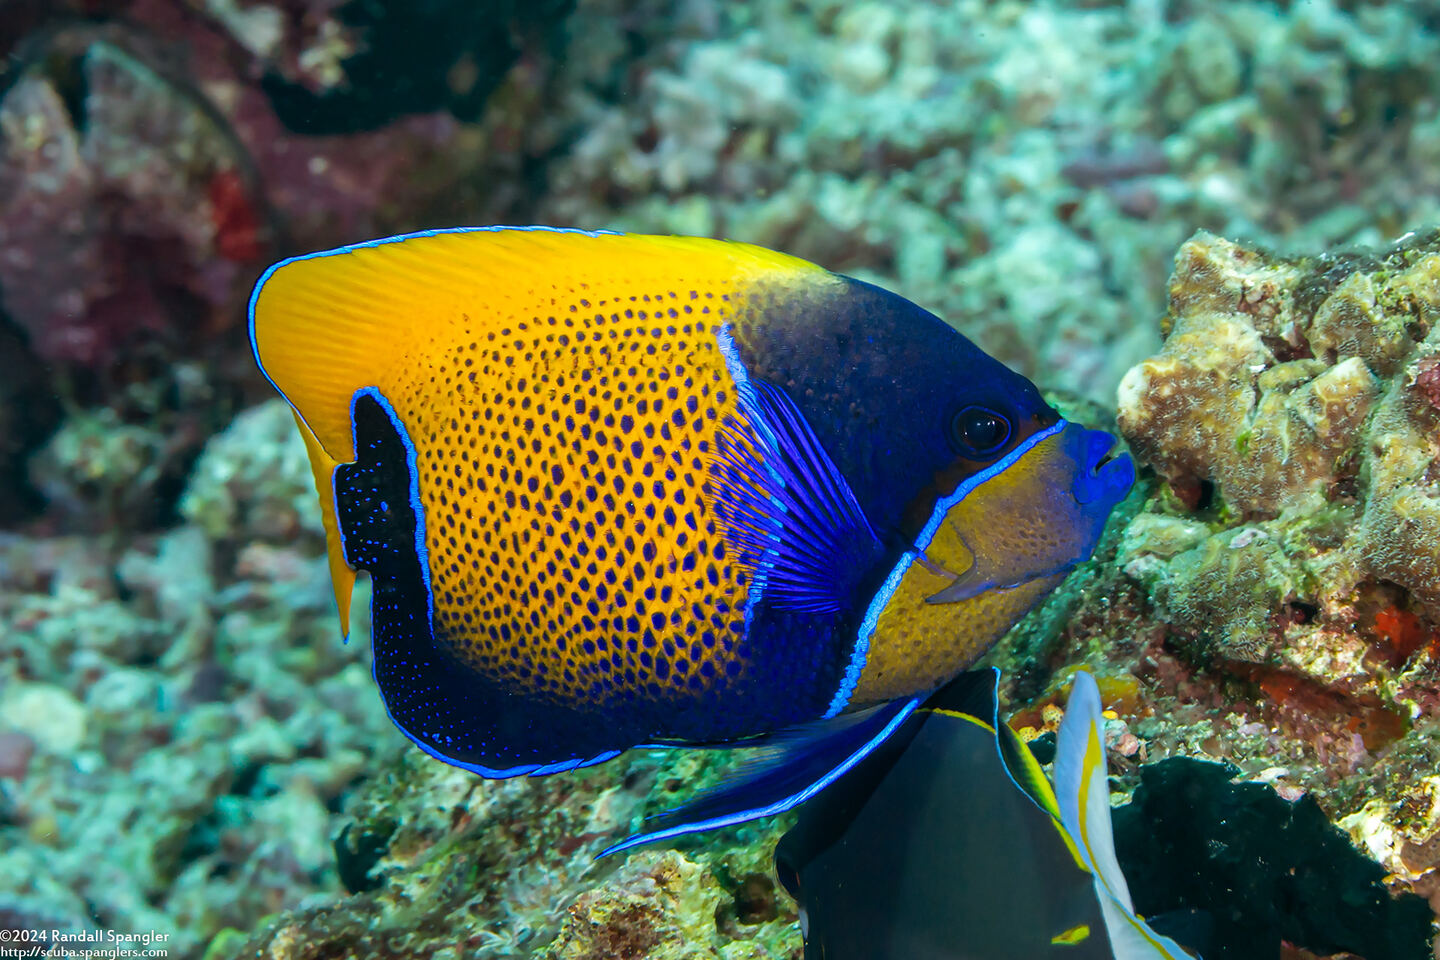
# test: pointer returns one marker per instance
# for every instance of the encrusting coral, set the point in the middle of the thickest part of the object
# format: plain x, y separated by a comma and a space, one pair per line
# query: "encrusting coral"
1296, 387
1278, 593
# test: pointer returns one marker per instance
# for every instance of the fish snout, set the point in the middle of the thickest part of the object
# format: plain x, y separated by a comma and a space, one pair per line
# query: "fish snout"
1104, 476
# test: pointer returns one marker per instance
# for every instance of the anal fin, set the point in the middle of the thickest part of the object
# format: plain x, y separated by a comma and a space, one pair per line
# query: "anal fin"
443, 705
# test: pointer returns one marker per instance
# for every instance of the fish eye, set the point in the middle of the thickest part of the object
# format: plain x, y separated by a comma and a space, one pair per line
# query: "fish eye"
977, 432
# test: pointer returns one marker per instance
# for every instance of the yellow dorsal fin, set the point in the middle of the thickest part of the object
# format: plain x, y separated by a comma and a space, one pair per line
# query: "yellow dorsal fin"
327, 324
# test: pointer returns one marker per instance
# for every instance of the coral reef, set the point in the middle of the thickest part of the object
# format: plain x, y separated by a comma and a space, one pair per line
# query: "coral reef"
1296, 389
105, 229
442, 861
1272, 600
177, 717
185, 744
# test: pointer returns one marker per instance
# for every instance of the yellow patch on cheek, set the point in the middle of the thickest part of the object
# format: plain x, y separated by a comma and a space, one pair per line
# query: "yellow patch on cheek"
918, 646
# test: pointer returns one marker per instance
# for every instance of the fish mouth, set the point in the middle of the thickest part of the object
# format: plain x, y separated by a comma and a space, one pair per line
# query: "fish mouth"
1100, 447
1106, 472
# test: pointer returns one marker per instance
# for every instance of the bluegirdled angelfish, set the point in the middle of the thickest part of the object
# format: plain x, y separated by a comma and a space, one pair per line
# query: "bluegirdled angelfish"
619, 490
948, 842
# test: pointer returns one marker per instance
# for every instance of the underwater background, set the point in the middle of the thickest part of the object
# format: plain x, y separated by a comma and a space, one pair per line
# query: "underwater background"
1150, 208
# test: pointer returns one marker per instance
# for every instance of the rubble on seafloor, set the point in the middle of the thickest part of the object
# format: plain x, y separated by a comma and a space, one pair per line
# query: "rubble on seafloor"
443, 863
178, 721
186, 746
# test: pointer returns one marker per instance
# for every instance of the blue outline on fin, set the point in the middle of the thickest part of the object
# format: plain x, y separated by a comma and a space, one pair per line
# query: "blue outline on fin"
490, 773
423, 557
412, 467
995, 721
860, 653
364, 245
745, 400
780, 806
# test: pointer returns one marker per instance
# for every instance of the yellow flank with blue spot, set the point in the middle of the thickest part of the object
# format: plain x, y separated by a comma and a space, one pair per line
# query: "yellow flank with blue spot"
616, 490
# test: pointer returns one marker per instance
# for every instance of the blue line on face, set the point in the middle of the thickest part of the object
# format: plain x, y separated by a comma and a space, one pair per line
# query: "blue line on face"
861, 652
943, 505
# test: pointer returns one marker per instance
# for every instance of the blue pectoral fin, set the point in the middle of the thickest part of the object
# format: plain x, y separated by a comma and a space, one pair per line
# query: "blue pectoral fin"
783, 771
787, 507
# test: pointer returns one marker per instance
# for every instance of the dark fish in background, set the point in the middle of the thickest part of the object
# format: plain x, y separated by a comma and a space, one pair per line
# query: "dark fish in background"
616, 491
948, 843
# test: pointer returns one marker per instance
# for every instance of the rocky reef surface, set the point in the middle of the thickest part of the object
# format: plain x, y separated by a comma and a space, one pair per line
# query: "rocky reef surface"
186, 746
1292, 548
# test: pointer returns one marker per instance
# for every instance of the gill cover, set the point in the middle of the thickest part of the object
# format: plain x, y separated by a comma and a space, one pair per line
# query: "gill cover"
995, 546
